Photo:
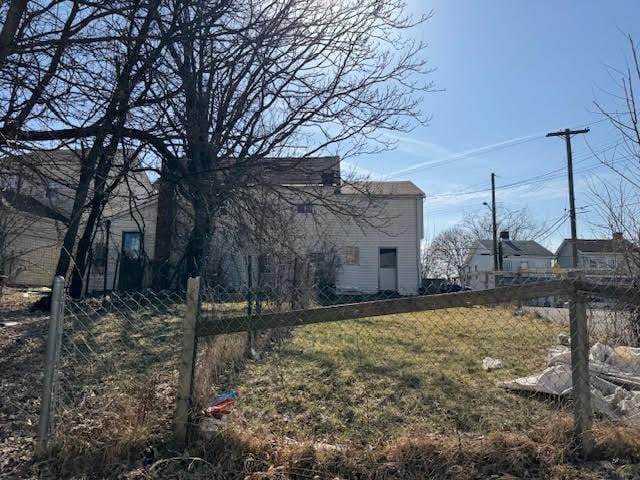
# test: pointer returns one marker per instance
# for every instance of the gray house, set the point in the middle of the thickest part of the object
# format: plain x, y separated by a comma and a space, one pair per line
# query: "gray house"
596, 255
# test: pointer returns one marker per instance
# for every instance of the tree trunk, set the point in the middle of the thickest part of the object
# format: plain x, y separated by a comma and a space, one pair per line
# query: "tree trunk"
84, 244
198, 245
97, 206
10, 27
87, 169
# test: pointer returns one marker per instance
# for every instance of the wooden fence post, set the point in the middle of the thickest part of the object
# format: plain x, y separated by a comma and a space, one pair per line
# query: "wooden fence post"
187, 361
582, 412
54, 340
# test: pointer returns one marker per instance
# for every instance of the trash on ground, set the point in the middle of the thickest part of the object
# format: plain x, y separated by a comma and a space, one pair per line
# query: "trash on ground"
8, 324
614, 376
215, 414
489, 363
221, 405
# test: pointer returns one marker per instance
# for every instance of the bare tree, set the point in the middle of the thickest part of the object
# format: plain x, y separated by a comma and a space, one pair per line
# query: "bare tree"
448, 253
616, 200
55, 101
254, 80
519, 222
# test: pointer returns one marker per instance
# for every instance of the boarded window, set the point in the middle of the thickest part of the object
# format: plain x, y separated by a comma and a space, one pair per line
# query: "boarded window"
352, 256
304, 208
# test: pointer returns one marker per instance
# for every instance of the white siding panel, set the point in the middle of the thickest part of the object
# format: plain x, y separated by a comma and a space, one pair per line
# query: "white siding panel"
401, 231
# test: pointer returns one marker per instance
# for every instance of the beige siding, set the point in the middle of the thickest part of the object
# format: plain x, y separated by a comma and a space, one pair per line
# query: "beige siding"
38, 246
143, 220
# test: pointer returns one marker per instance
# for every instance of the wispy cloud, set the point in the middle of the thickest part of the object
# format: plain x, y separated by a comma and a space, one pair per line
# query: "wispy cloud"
417, 146
447, 156
354, 170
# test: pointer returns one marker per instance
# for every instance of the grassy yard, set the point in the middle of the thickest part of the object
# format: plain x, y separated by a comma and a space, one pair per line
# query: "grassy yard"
394, 397
366, 381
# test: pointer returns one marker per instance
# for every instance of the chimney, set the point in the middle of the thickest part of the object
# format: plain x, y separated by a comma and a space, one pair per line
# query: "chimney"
617, 235
504, 235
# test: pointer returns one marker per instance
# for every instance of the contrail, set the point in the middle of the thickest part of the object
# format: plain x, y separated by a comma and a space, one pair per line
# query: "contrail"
467, 153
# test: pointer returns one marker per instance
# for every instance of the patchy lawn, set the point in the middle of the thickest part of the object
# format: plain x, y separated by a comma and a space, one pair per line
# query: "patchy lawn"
394, 397
367, 381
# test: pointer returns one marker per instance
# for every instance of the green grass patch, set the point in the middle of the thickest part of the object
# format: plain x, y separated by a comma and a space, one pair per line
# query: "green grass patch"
366, 381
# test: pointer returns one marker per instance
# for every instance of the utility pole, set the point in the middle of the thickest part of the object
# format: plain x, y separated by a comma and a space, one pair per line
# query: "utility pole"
494, 222
567, 133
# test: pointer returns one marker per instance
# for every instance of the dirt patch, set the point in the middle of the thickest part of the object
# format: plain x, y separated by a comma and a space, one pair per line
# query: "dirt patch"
22, 349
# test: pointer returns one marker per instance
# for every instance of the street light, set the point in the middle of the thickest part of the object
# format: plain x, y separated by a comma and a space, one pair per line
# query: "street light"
494, 228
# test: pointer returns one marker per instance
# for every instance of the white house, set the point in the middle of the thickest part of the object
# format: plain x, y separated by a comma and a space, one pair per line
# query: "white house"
378, 254
518, 256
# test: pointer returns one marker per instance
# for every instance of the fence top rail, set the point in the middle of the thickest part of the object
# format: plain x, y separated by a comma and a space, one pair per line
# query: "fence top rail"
625, 294
334, 313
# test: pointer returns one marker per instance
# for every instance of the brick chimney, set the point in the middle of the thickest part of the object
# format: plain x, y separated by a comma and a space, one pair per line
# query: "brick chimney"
504, 235
617, 235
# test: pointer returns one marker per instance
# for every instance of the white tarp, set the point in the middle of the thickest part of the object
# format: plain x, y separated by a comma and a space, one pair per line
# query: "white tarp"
615, 379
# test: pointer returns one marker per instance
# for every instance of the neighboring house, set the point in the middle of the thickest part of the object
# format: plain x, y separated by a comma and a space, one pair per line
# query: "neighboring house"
41, 197
604, 256
518, 256
138, 238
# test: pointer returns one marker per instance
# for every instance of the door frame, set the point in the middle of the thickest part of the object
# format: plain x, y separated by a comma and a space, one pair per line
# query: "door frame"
396, 282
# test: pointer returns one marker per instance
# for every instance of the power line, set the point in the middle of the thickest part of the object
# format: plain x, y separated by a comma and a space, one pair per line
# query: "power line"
560, 222
551, 175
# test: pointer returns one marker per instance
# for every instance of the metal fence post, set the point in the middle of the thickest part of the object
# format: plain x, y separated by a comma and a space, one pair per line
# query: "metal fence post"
250, 297
54, 340
187, 361
582, 414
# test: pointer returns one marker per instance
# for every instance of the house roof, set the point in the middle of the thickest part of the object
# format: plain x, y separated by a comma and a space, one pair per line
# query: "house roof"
292, 170
609, 245
528, 248
403, 188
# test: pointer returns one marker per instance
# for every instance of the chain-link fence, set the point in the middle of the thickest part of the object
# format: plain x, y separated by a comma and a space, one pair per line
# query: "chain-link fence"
308, 369
115, 381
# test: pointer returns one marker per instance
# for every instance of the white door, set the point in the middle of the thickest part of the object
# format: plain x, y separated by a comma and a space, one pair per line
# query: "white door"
388, 272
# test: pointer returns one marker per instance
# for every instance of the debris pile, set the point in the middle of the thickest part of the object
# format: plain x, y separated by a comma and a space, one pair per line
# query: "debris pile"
614, 377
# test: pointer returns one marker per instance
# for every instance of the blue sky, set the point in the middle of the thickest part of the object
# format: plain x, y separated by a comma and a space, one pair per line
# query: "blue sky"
511, 71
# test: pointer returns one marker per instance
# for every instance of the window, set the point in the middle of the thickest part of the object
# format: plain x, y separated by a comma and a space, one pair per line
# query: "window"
352, 256
388, 258
328, 179
304, 208
506, 265
132, 244
475, 267
53, 189
265, 264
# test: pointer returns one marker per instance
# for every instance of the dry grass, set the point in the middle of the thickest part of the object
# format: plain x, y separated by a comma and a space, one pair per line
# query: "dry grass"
386, 398
366, 381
